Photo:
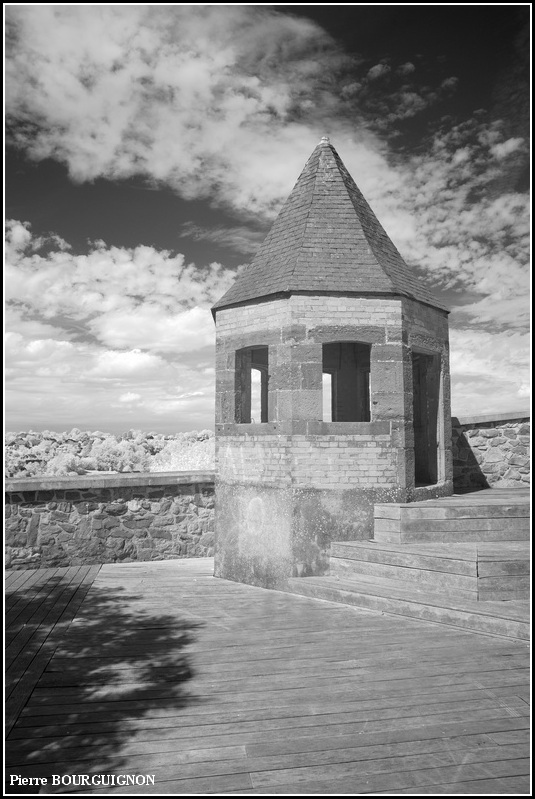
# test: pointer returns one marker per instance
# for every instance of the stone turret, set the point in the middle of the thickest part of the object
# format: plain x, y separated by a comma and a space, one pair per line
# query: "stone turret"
332, 384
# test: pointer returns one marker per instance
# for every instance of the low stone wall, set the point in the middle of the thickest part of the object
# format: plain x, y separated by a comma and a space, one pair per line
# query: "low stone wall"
491, 451
69, 521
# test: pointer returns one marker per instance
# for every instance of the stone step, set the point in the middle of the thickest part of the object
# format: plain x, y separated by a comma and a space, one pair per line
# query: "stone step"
510, 619
485, 571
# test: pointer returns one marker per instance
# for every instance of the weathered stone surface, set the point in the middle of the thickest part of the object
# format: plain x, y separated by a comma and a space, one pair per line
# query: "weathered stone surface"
116, 508
86, 507
490, 454
81, 526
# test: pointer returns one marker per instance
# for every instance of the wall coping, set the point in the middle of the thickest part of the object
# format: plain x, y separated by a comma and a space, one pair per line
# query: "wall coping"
119, 480
491, 417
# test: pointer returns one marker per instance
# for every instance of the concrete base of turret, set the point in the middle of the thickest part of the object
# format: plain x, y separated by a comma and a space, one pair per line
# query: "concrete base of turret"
266, 534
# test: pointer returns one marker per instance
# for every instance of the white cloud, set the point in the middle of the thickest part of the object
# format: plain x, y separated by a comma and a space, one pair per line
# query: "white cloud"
147, 327
86, 333
125, 297
503, 149
239, 238
115, 365
378, 71
129, 397
406, 69
183, 94
490, 372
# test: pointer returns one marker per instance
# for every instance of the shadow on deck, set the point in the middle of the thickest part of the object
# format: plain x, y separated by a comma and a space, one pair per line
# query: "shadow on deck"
84, 667
210, 686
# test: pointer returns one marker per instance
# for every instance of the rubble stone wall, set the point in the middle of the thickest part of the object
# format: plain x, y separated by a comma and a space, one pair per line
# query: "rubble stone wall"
69, 521
491, 451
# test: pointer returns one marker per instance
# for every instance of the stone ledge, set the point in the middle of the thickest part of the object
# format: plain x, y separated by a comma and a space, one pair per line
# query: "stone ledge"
49, 483
490, 417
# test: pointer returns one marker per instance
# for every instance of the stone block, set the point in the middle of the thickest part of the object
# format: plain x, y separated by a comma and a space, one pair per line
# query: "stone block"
493, 456
68, 528
57, 515
389, 352
391, 406
366, 334
116, 508
157, 532
293, 333
86, 507
137, 524
519, 460
165, 521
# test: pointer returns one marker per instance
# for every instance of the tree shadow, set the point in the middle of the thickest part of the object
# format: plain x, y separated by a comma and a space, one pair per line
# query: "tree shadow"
467, 474
120, 667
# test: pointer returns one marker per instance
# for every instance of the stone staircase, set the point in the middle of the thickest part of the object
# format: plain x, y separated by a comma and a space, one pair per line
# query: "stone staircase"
462, 561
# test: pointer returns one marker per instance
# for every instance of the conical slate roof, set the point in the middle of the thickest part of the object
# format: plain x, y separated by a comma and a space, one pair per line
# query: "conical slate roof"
326, 239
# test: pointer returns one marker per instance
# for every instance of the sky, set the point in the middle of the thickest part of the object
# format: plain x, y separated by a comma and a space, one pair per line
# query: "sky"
150, 147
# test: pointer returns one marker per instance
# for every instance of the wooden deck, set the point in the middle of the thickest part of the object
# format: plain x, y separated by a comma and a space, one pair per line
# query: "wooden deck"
216, 687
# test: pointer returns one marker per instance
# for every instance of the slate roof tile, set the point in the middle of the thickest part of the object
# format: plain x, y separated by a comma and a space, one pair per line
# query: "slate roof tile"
327, 238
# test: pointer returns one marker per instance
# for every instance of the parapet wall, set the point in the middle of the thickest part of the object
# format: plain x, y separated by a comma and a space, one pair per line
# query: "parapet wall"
70, 521
491, 451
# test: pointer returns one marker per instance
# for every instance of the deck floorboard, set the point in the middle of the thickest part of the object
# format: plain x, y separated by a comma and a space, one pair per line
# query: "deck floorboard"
214, 687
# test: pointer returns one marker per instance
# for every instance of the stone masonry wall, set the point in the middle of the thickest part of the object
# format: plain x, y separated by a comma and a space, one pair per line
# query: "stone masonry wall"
104, 519
491, 451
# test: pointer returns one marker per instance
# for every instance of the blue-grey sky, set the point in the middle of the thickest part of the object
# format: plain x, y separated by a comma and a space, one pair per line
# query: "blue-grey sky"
149, 148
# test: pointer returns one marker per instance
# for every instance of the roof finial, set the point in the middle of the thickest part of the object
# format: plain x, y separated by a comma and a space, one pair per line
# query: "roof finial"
325, 140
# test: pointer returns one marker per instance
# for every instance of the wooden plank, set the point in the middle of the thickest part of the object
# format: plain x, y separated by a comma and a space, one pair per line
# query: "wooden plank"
16, 580
289, 688
20, 608
359, 782
59, 696
156, 707
196, 736
267, 771
500, 785
23, 672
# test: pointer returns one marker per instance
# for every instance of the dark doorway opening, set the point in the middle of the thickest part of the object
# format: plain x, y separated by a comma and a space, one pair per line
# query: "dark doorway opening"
346, 383
426, 392
252, 385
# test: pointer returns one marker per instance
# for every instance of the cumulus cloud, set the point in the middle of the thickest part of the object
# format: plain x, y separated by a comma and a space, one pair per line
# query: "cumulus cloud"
378, 71
503, 149
189, 95
124, 297
146, 327
490, 371
406, 69
108, 336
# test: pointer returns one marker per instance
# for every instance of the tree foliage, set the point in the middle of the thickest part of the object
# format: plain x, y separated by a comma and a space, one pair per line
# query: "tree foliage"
31, 454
